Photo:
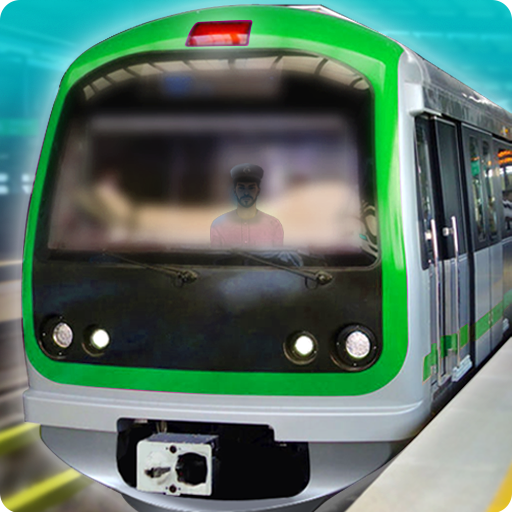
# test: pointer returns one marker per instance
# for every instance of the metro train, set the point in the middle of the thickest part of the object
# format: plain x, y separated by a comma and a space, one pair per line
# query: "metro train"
254, 374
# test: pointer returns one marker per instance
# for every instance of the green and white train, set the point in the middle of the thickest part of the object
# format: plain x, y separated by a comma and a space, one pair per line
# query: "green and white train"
191, 377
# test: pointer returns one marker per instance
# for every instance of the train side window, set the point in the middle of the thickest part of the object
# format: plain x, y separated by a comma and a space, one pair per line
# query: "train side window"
425, 198
450, 175
488, 169
505, 163
476, 184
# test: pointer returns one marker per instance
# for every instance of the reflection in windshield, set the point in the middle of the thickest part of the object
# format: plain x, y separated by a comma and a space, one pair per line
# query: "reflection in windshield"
157, 193
145, 167
246, 226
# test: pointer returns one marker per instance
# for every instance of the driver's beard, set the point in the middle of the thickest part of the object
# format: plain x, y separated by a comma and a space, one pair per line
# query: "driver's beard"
246, 205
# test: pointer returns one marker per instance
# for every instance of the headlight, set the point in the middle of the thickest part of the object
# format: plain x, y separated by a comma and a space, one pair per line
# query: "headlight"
62, 335
56, 337
96, 340
100, 339
356, 348
301, 348
358, 345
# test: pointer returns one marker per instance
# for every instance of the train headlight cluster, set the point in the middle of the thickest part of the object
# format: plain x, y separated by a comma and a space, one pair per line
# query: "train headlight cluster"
57, 339
354, 349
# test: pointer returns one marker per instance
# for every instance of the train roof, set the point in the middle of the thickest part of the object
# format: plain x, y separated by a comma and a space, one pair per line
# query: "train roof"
447, 95
443, 93
279, 27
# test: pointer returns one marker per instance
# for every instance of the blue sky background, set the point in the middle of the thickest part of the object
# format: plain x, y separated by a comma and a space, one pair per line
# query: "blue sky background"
39, 39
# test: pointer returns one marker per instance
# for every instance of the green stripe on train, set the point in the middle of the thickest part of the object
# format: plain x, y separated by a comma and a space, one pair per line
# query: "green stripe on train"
449, 342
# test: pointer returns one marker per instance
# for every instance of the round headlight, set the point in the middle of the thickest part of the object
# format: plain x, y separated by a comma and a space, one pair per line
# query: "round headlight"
100, 339
56, 337
62, 335
96, 340
304, 346
356, 348
358, 345
301, 348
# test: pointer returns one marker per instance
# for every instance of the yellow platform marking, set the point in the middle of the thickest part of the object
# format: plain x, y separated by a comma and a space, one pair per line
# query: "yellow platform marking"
14, 438
48, 493
504, 495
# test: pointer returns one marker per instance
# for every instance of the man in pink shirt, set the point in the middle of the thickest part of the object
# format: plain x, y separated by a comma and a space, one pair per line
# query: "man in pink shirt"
246, 226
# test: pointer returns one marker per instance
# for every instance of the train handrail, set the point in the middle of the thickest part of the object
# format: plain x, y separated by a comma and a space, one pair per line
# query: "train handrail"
457, 284
435, 250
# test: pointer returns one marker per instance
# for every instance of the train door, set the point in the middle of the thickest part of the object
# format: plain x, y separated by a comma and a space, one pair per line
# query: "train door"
495, 215
454, 253
430, 248
503, 153
487, 249
447, 253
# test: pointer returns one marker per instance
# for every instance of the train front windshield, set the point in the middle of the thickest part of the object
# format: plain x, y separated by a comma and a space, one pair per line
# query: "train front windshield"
147, 146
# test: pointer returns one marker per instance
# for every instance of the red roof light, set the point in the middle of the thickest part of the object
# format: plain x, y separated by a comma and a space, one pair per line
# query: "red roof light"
220, 33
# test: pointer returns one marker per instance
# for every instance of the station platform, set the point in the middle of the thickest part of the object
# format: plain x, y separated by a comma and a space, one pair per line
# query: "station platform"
462, 461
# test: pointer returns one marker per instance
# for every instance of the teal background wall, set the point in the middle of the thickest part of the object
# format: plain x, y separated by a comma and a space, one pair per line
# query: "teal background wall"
40, 38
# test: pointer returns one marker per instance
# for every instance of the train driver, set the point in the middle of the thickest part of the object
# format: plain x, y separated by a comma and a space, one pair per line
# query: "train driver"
246, 226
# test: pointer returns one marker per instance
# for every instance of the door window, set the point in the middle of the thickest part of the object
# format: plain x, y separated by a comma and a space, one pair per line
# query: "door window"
425, 201
476, 183
450, 175
489, 187
505, 163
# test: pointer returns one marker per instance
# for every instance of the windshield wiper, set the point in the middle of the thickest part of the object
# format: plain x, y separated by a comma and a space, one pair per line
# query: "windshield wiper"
321, 277
184, 276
